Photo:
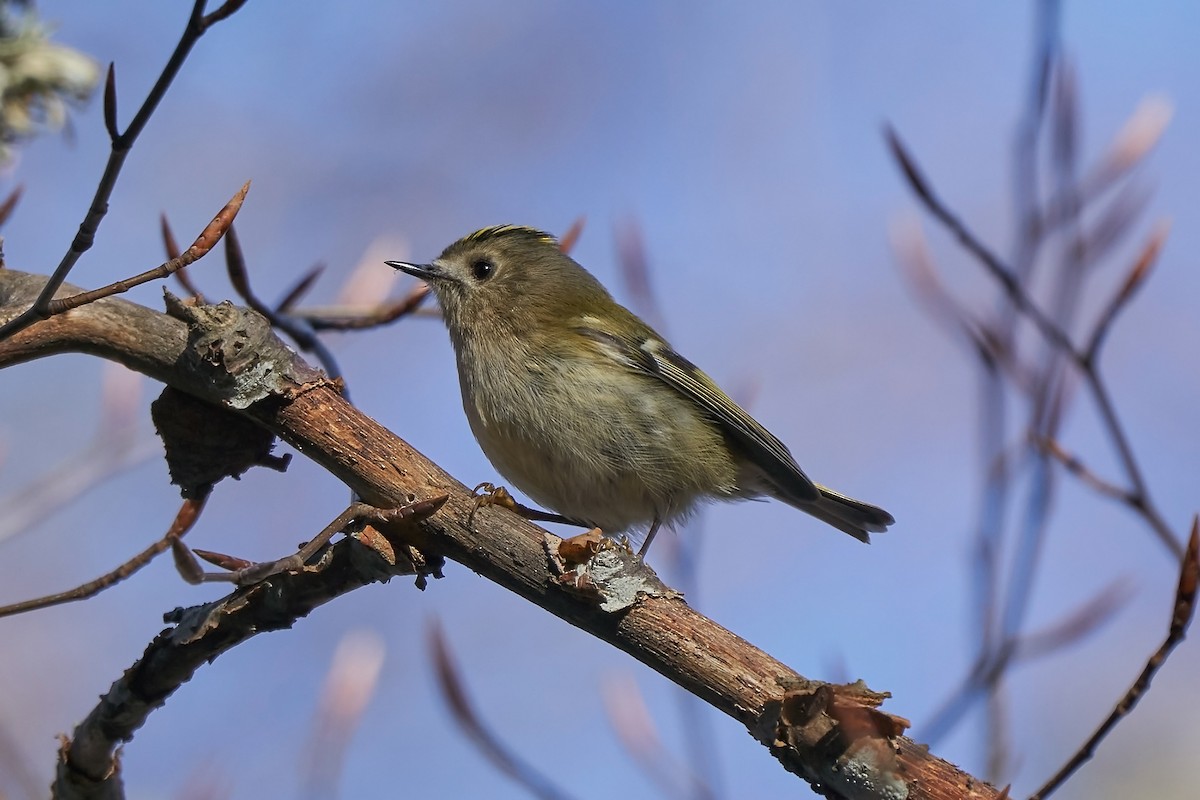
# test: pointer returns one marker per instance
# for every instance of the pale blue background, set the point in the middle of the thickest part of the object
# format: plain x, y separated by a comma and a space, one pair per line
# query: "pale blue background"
745, 140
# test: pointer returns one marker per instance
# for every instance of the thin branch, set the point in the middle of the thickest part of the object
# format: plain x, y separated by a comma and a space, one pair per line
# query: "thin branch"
171, 246
995, 266
1074, 465
248, 573
87, 762
223, 12
1053, 334
121, 146
1139, 135
1133, 281
995, 659
10, 204
1141, 492
567, 241
463, 712
297, 292
349, 685
1182, 613
636, 731
110, 103
298, 328
1079, 624
912, 253
183, 522
211, 234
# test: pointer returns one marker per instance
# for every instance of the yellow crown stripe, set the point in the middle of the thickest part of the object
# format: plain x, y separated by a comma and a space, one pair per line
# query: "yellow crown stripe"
497, 231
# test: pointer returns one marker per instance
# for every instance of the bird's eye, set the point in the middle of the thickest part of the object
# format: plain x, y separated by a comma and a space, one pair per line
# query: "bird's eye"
482, 269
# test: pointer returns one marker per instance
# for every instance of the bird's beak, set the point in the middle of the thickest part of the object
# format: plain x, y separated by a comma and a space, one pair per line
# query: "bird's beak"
431, 274
426, 272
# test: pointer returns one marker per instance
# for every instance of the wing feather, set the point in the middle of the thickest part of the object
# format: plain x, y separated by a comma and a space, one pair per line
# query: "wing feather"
652, 356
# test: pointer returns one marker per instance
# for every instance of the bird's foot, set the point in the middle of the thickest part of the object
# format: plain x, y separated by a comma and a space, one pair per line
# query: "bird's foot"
489, 494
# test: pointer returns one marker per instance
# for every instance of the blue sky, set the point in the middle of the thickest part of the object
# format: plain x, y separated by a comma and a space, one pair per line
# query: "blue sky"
745, 142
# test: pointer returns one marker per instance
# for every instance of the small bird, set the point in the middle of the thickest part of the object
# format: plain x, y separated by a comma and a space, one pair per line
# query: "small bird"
588, 411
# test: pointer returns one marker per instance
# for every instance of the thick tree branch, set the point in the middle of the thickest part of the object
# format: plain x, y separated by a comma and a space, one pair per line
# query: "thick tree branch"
832, 736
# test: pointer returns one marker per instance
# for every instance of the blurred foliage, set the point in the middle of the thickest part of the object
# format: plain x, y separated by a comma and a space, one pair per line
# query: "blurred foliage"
38, 78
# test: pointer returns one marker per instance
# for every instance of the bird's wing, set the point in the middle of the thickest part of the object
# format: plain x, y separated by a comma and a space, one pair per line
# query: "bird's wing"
647, 354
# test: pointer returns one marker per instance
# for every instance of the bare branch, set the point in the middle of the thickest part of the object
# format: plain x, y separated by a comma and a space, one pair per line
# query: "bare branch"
993, 263
1133, 281
173, 252
87, 761
349, 686
9, 204
121, 146
567, 241
224, 11
204, 242
463, 711
248, 573
110, 103
346, 319
297, 292
1076, 467
183, 522
1055, 336
635, 728
301, 331
1182, 613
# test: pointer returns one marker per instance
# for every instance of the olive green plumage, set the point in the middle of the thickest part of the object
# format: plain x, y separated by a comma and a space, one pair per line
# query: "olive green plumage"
587, 410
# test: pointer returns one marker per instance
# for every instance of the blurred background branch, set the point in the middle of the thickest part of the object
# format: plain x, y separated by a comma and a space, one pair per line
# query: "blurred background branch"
1032, 350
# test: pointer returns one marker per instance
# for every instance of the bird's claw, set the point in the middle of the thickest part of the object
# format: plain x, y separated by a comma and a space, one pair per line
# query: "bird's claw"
489, 494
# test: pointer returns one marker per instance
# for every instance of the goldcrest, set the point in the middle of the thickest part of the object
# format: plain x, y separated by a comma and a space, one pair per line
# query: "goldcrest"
588, 411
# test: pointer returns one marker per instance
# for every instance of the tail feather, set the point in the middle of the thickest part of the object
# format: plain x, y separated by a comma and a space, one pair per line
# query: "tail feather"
855, 517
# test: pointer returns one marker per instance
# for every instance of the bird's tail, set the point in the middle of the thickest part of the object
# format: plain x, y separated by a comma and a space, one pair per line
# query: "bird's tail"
855, 517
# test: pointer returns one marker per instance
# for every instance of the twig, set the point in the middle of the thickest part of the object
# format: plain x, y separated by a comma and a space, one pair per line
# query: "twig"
1085, 620
567, 241
183, 522
635, 729
461, 708
87, 763
992, 663
912, 253
1129, 147
1076, 467
299, 329
1141, 492
10, 203
1054, 335
114, 449
183, 275
204, 242
247, 573
995, 266
349, 686
1133, 280
344, 319
1181, 617
122, 143
297, 292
